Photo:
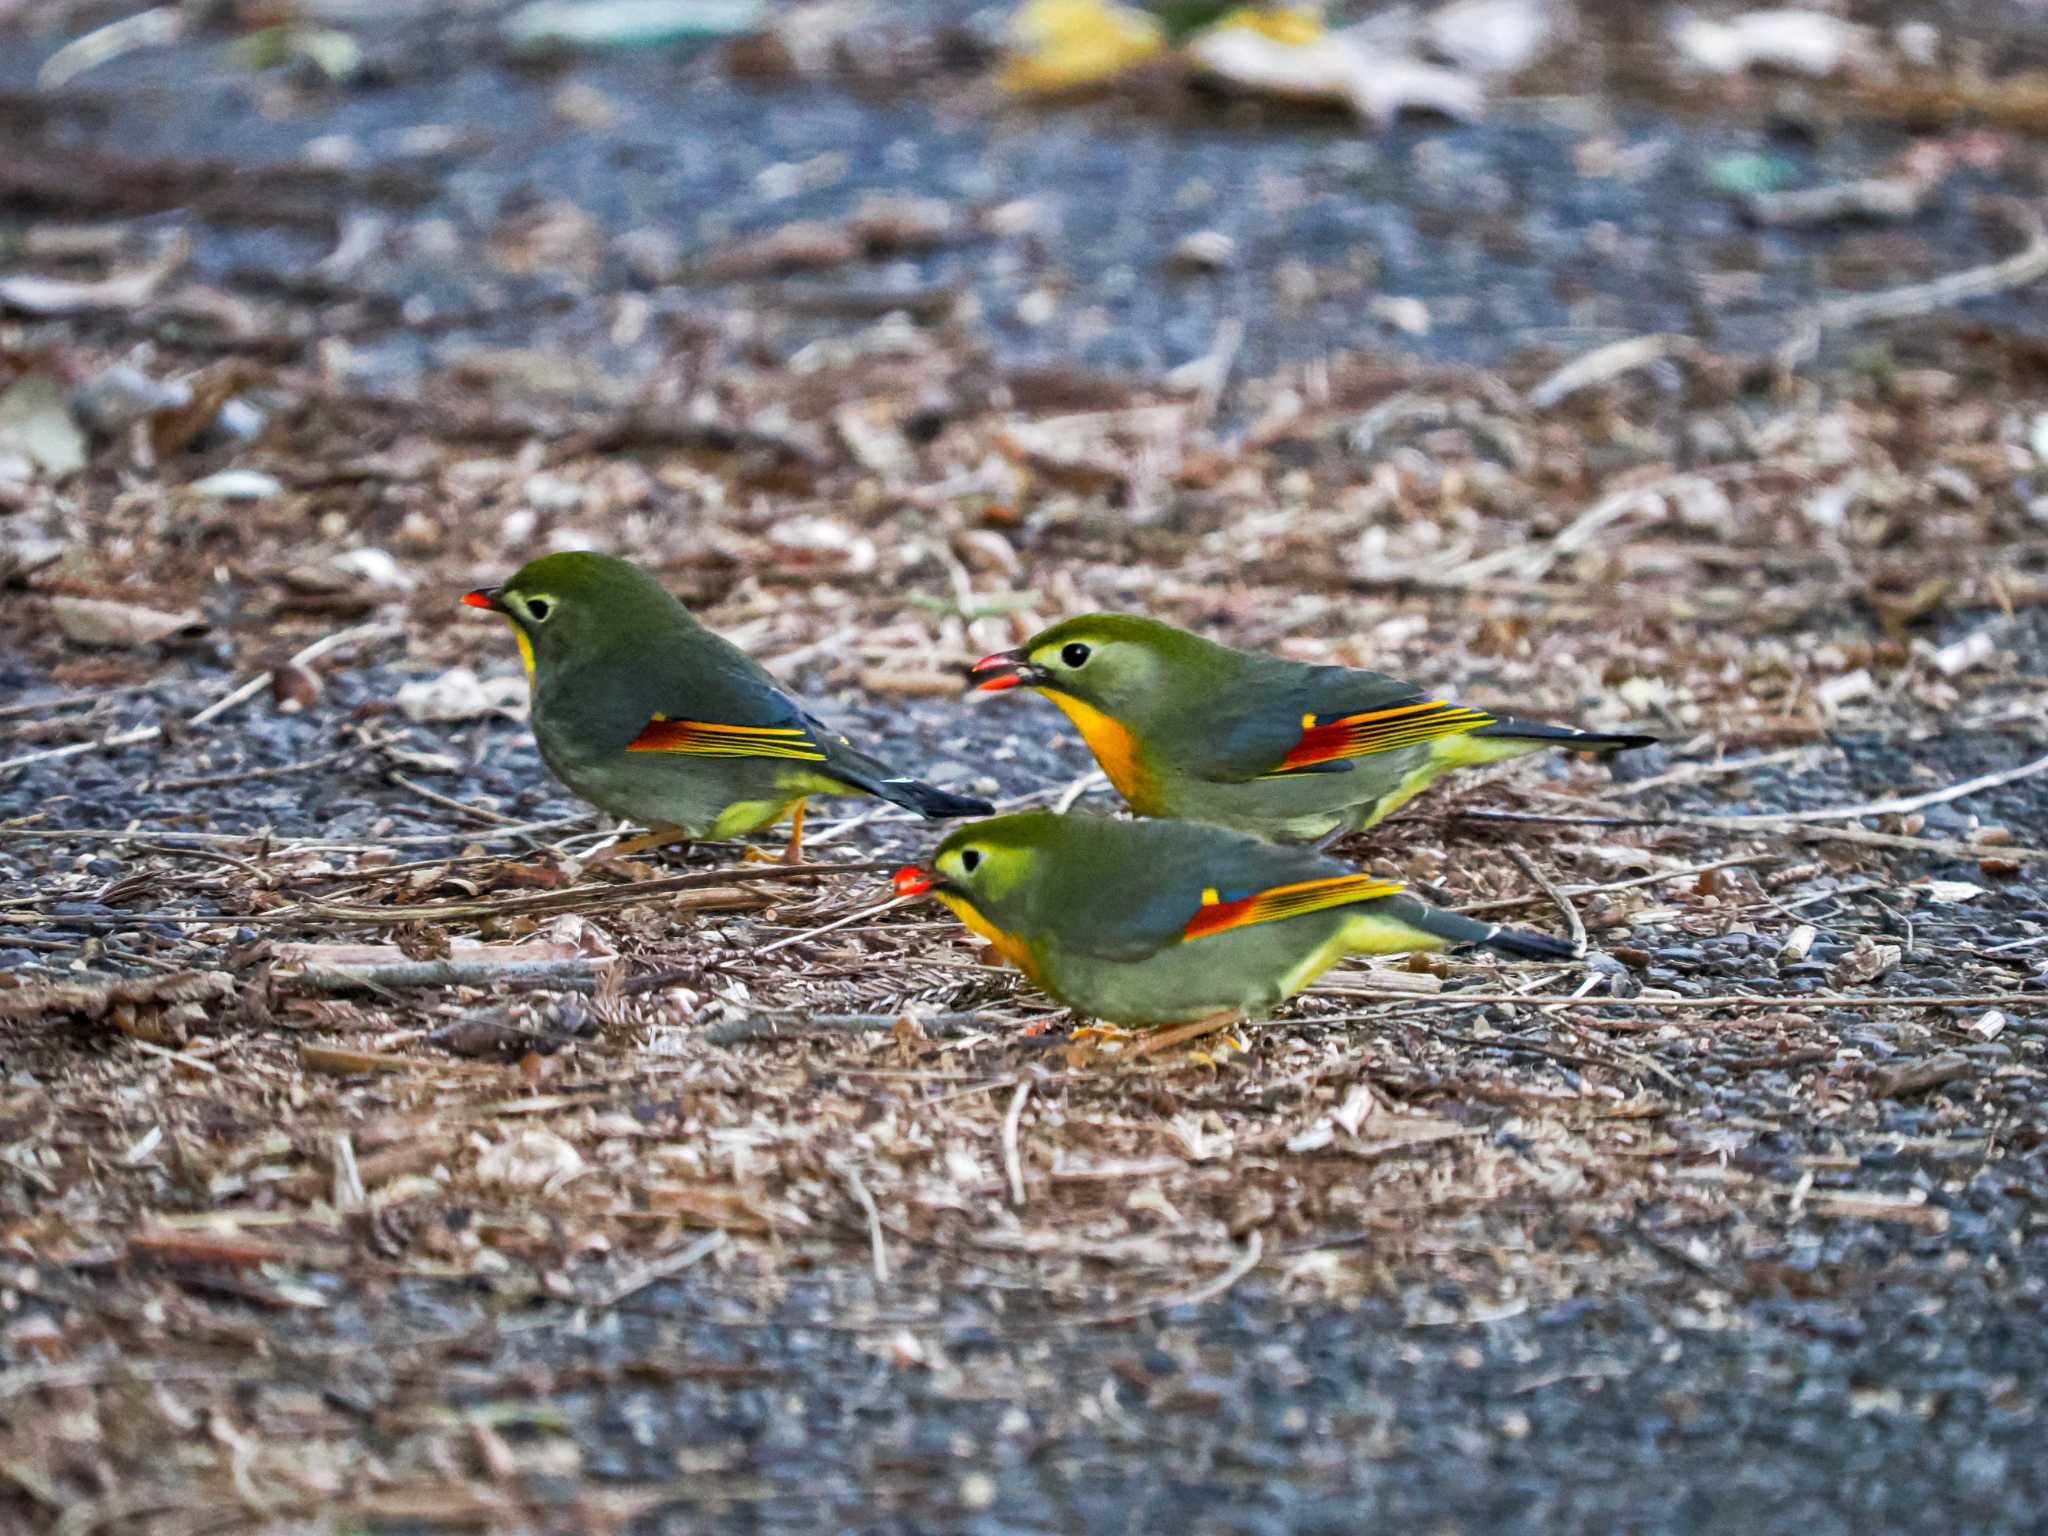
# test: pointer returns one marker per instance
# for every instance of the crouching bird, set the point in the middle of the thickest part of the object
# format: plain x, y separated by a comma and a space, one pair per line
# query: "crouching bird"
646, 714
1166, 922
1188, 728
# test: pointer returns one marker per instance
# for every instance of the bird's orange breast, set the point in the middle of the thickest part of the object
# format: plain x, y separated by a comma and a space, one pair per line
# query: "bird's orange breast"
1115, 748
1008, 945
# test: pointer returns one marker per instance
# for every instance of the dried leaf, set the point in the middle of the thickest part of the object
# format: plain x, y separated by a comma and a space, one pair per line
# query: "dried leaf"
35, 295
99, 621
459, 694
531, 1160
36, 423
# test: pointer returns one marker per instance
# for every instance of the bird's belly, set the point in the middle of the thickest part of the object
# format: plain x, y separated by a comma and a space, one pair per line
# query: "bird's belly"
720, 797
1296, 807
1249, 971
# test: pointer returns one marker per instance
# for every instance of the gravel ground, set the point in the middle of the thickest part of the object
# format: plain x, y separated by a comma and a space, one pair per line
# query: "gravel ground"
706, 1236
1761, 1371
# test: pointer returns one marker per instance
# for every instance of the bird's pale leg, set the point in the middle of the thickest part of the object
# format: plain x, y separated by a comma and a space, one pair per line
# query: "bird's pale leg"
1167, 1039
792, 855
654, 837
1097, 1031
1331, 838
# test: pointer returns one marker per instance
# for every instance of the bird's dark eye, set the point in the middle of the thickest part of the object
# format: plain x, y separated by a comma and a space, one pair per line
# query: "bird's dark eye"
1074, 654
538, 609
970, 859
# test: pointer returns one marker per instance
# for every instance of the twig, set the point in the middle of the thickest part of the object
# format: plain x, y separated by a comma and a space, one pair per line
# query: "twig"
1604, 363
1167, 1039
182, 1058
578, 974
1688, 872
1692, 773
300, 844
1946, 847
799, 1025
850, 1175
73, 700
663, 1267
1013, 1162
1564, 903
1874, 197
1896, 806
349, 1194
213, 711
1077, 789
1727, 1000
449, 802
249, 775
1912, 299
1246, 1261
839, 922
1531, 562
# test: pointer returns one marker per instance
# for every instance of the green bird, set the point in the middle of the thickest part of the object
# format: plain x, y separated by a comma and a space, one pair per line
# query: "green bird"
650, 716
1190, 729
1167, 922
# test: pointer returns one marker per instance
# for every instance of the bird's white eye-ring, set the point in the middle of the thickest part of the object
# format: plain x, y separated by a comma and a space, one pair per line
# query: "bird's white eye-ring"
539, 609
1074, 653
970, 860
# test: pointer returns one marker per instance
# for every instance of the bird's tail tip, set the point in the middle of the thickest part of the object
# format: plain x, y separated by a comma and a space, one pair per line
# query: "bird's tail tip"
1608, 741
930, 801
1524, 945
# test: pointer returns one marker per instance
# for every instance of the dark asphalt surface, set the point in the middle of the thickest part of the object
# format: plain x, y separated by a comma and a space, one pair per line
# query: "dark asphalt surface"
1494, 226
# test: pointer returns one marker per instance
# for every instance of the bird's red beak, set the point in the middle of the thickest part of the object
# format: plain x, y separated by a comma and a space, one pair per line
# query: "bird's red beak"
912, 881
485, 598
1005, 669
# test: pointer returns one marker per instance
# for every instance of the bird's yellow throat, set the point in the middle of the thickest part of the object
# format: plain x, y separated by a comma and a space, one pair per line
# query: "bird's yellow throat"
525, 649
1008, 945
1115, 748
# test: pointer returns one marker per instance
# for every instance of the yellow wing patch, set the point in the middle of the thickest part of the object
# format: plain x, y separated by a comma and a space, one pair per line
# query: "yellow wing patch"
1267, 906
704, 738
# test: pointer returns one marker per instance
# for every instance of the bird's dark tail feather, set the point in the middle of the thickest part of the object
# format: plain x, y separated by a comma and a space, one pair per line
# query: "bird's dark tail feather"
1524, 945
928, 800
1565, 736
1456, 928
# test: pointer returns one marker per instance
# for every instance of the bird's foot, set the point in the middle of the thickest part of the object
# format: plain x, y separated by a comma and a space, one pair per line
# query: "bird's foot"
1099, 1033
1167, 1039
793, 855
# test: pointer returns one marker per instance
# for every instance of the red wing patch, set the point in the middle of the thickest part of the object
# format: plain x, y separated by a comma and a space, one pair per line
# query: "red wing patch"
1325, 739
704, 738
1280, 901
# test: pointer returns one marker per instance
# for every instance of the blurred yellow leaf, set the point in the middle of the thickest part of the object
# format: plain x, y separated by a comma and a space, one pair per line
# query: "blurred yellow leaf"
1067, 45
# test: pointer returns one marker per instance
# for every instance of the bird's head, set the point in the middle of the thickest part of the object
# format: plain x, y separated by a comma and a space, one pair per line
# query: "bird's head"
1114, 662
988, 867
575, 604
